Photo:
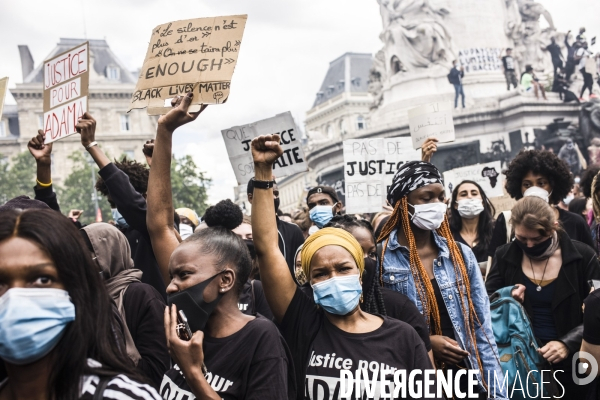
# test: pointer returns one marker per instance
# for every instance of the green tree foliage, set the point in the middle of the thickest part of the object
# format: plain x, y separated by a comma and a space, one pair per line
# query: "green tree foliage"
189, 185
18, 177
77, 191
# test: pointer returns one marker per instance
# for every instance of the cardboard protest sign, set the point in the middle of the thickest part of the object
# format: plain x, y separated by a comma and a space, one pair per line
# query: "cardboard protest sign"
502, 203
3, 86
66, 86
237, 140
369, 167
195, 55
488, 176
431, 120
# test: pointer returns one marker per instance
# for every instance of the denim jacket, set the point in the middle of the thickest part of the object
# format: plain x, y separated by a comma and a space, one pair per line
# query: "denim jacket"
397, 276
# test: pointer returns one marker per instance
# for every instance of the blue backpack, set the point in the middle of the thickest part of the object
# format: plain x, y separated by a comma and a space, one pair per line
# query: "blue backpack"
517, 346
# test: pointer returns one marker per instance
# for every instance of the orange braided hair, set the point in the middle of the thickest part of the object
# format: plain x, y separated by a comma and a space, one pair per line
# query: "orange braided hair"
423, 283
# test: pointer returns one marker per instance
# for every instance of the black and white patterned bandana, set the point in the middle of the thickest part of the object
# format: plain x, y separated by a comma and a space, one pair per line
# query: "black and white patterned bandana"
410, 176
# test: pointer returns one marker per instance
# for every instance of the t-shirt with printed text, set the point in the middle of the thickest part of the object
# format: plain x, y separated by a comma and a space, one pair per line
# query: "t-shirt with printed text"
321, 351
252, 364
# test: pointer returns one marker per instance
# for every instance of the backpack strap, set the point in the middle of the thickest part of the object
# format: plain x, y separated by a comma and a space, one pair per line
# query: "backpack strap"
102, 384
502, 293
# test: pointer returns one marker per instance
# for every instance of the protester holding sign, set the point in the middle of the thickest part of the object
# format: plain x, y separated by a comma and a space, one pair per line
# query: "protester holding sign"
472, 218
58, 341
230, 355
422, 260
551, 274
542, 174
124, 184
333, 262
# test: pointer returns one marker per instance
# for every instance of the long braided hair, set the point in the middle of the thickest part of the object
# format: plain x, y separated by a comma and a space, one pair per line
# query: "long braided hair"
373, 298
423, 284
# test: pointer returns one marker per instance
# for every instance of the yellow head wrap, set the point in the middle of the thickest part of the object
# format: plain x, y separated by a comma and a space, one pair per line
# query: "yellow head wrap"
331, 237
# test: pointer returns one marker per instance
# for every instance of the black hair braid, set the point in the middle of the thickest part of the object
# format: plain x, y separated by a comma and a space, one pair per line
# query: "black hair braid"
373, 302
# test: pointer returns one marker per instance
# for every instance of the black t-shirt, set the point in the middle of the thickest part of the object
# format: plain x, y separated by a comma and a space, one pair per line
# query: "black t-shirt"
253, 363
509, 63
554, 51
573, 224
591, 318
321, 350
480, 251
252, 300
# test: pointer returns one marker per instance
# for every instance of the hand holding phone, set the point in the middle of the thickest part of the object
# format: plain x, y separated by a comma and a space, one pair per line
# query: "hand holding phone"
183, 328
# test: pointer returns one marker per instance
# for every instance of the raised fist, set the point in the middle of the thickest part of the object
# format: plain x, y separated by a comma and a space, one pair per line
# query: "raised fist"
40, 151
148, 150
266, 149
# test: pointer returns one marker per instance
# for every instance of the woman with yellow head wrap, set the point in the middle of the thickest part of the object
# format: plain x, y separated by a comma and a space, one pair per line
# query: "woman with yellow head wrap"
335, 333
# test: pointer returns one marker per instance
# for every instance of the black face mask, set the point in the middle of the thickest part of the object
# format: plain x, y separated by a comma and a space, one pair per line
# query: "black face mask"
276, 201
191, 301
536, 250
250, 245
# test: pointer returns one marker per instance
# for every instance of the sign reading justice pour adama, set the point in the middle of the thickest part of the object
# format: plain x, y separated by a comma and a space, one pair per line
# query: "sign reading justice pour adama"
66, 82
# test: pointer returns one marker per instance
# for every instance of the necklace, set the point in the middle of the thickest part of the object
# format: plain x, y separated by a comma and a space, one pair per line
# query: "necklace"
539, 287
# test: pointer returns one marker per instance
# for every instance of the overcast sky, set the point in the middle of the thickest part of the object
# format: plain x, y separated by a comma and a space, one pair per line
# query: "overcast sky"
285, 52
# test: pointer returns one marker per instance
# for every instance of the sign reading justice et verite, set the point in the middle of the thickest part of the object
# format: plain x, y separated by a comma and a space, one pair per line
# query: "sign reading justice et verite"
195, 55
66, 87
237, 141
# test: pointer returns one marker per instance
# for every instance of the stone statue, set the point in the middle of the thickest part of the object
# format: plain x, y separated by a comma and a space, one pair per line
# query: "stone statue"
589, 120
523, 28
414, 32
377, 75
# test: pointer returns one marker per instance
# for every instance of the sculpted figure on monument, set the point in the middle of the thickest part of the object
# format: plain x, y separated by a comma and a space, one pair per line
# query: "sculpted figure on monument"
589, 120
377, 75
523, 28
414, 32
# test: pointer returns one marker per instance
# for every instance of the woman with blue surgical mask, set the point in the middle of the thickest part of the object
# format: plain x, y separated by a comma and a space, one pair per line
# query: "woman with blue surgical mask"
441, 277
334, 334
541, 174
55, 316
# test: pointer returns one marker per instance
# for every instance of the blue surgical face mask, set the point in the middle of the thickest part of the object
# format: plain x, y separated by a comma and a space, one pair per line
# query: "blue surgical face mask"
32, 321
118, 218
339, 295
321, 215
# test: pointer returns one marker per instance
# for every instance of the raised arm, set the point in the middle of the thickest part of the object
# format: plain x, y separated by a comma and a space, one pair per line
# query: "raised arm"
278, 284
43, 159
159, 217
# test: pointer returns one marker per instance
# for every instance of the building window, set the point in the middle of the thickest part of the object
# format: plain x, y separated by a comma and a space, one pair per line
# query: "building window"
329, 131
125, 123
130, 154
360, 123
40, 121
342, 127
113, 73
3, 128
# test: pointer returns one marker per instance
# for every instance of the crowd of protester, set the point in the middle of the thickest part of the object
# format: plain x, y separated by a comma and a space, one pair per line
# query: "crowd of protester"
166, 303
